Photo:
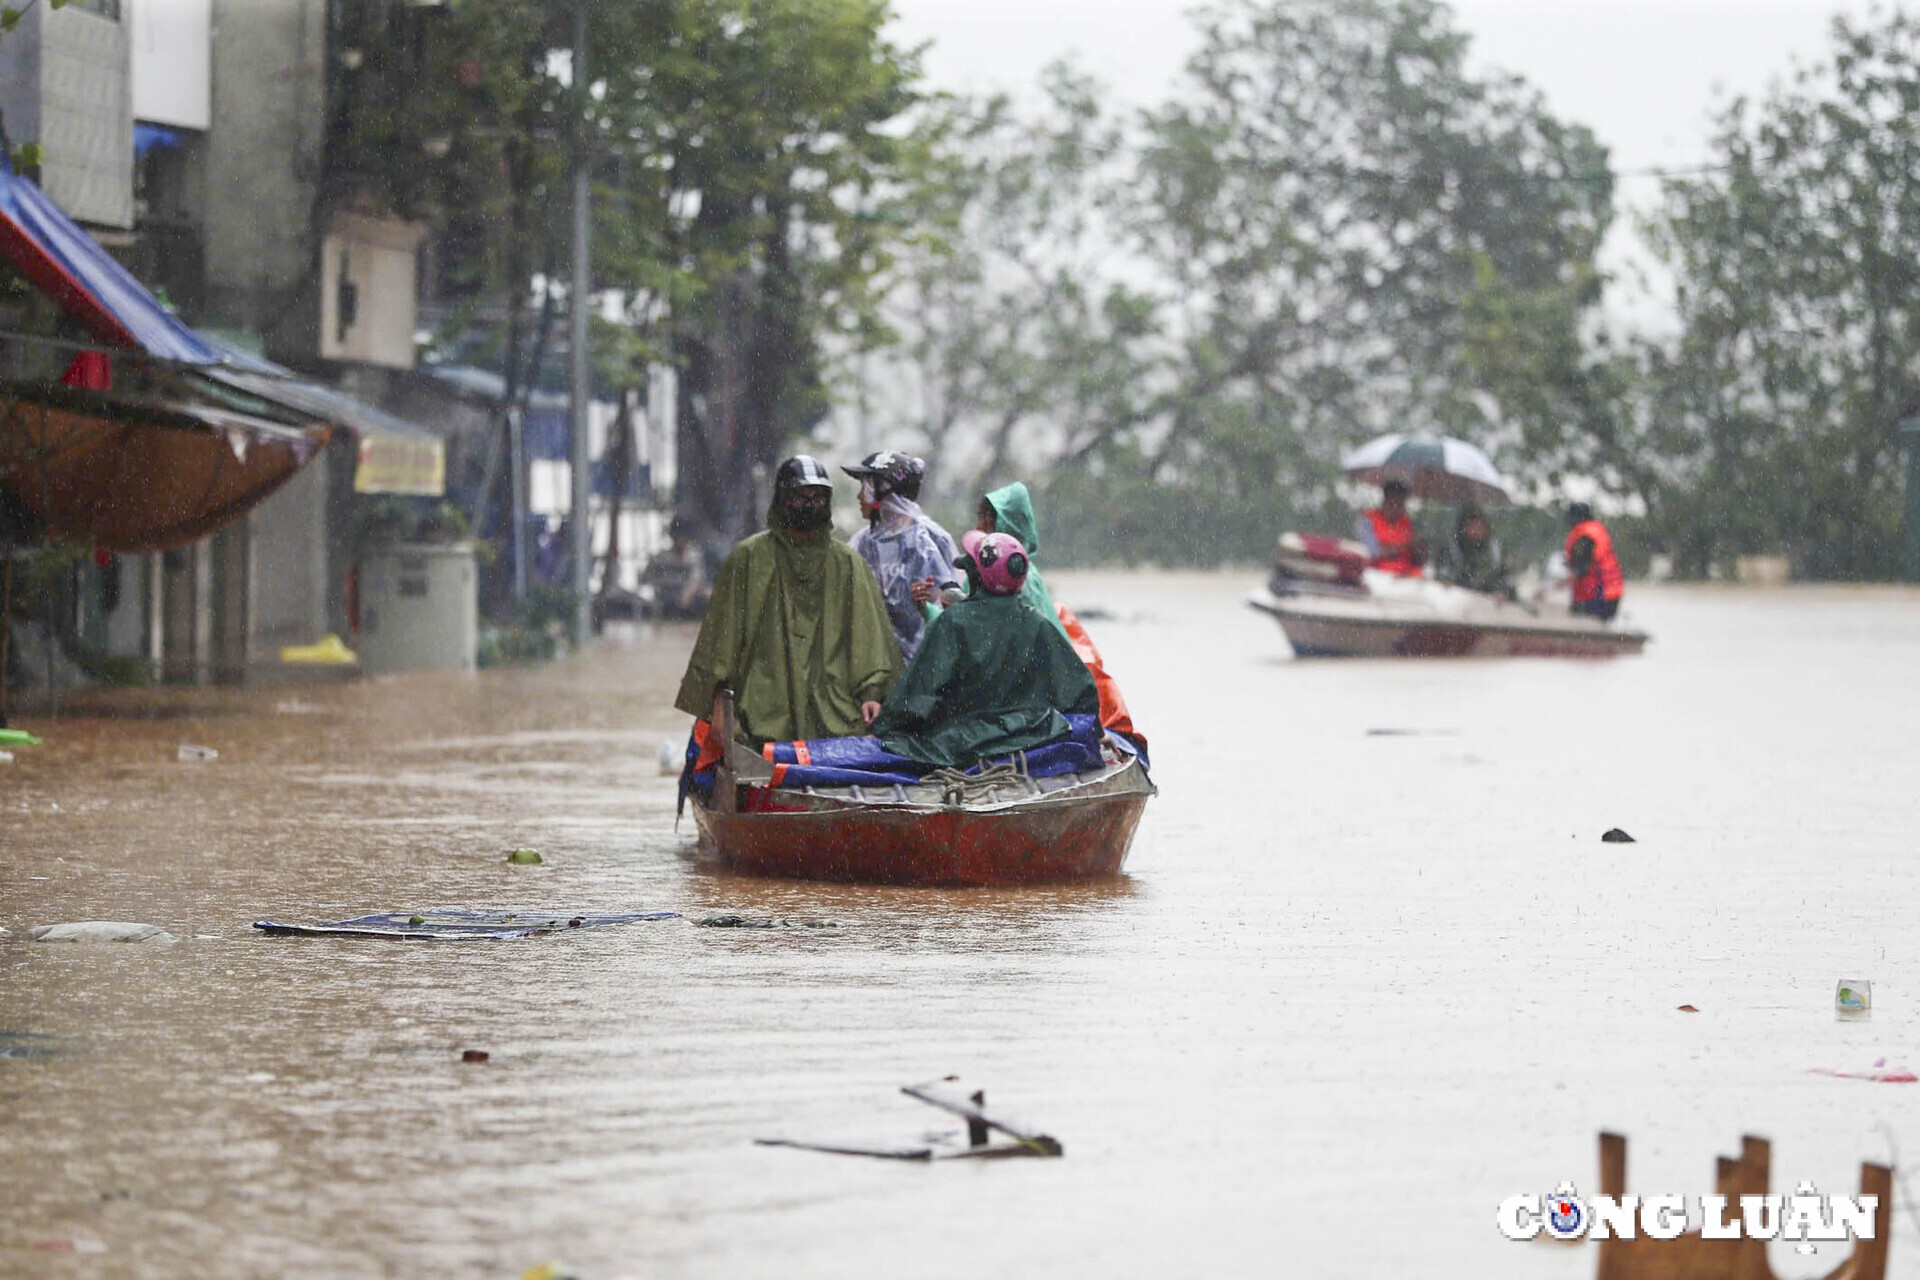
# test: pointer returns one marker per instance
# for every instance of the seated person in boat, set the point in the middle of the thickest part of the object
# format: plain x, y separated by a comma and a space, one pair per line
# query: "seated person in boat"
1474, 559
992, 675
795, 626
1387, 529
1009, 509
911, 555
1598, 583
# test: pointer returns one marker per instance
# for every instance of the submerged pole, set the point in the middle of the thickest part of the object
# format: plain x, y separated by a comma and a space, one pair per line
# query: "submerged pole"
6, 625
581, 391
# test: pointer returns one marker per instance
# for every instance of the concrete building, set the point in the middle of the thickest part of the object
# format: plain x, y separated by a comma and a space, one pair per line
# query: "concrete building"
190, 136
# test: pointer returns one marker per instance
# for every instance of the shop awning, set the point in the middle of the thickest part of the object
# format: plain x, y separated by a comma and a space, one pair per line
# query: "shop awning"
68, 265
395, 456
137, 475
59, 258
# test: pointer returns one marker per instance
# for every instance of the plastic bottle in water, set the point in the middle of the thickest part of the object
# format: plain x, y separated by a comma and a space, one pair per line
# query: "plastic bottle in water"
1853, 1000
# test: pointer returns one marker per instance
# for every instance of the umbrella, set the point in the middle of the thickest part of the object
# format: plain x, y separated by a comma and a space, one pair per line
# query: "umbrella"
1436, 467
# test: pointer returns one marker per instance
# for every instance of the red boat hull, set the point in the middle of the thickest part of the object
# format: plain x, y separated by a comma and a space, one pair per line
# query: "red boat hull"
1045, 842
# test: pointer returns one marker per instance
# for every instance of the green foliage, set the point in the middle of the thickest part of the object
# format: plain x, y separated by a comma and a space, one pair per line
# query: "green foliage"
744, 170
1798, 265
537, 631
1334, 229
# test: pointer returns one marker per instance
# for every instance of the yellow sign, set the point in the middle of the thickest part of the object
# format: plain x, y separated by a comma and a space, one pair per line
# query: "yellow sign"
413, 465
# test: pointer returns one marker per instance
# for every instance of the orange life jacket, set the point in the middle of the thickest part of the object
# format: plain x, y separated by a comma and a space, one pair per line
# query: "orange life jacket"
1395, 540
1113, 707
1603, 579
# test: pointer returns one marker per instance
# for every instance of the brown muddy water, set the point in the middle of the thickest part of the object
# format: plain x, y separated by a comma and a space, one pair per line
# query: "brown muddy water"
1357, 987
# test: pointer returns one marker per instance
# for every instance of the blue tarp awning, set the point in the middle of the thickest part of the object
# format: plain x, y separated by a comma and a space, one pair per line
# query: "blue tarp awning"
67, 264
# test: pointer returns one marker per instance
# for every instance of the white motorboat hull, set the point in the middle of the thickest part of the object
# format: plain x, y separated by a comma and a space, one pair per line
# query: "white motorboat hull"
1422, 619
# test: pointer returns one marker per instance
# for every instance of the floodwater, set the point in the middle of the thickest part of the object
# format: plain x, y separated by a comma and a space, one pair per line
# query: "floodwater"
1371, 971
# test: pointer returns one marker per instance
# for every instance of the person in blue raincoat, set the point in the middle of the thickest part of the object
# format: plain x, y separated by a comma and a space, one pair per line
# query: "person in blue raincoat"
912, 557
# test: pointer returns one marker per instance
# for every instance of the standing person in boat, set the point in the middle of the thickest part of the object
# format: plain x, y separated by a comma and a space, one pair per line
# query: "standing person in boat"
795, 626
910, 554
992, 676
1598, 583
1392, 544
1009, 509
1474, 560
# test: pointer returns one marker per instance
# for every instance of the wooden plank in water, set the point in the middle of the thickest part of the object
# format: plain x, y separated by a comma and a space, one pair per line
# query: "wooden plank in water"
972, 1109
903, 1152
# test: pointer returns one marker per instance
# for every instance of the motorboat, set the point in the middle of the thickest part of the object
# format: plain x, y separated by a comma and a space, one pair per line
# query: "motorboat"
1330, 603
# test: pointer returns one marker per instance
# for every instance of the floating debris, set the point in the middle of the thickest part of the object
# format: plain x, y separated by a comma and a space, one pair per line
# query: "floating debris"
190, 754
1881, 1072
100, 931
1617, 836
329, 651
763, 922
978, 1141
474, 1055
525, 857
1853, 1000
17, 738
33, 1044
454, 925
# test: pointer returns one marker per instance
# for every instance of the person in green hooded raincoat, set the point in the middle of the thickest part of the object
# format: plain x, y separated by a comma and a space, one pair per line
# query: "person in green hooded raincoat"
1009, 509
796, 626
992, 675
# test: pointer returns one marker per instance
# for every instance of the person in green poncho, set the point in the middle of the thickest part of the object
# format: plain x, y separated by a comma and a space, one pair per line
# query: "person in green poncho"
992, 675
796, 626
1009, 509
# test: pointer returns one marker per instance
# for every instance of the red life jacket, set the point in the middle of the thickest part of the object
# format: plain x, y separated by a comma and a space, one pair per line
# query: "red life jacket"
1603, 579
1395, 540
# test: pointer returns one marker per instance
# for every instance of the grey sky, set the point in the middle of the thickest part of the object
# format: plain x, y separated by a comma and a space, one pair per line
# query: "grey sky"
1642, 73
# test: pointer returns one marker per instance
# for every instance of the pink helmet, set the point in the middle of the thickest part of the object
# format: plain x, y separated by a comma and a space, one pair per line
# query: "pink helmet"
999, 559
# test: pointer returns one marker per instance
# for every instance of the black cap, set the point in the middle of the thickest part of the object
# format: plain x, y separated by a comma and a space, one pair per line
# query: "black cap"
1578, 513
874, 464
891, 472
802, 472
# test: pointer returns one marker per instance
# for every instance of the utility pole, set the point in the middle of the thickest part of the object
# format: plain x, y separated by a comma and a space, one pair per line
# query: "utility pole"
517, 476
582, 397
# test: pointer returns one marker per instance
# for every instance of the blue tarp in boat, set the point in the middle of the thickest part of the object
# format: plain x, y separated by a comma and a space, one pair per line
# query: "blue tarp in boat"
863, 762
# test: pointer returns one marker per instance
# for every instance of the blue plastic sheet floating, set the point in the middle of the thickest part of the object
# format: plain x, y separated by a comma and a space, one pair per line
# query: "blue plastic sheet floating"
455, 926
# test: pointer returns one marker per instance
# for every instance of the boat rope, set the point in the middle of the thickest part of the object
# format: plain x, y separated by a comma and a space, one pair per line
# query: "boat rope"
958, 787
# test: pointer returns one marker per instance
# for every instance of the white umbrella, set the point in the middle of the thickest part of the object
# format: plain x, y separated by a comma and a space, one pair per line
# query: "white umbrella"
1436, 467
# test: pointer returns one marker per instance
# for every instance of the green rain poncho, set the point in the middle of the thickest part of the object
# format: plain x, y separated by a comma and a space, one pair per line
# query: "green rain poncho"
991, 676
1013, 513
798, 631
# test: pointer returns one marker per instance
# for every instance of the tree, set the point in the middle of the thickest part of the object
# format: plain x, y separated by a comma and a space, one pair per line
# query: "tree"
1337, 201
755, 134
1798, 269
1332, 230
1017, 344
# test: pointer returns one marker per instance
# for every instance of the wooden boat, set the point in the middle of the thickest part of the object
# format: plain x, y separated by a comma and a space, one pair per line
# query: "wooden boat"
1330, 604
999, 827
